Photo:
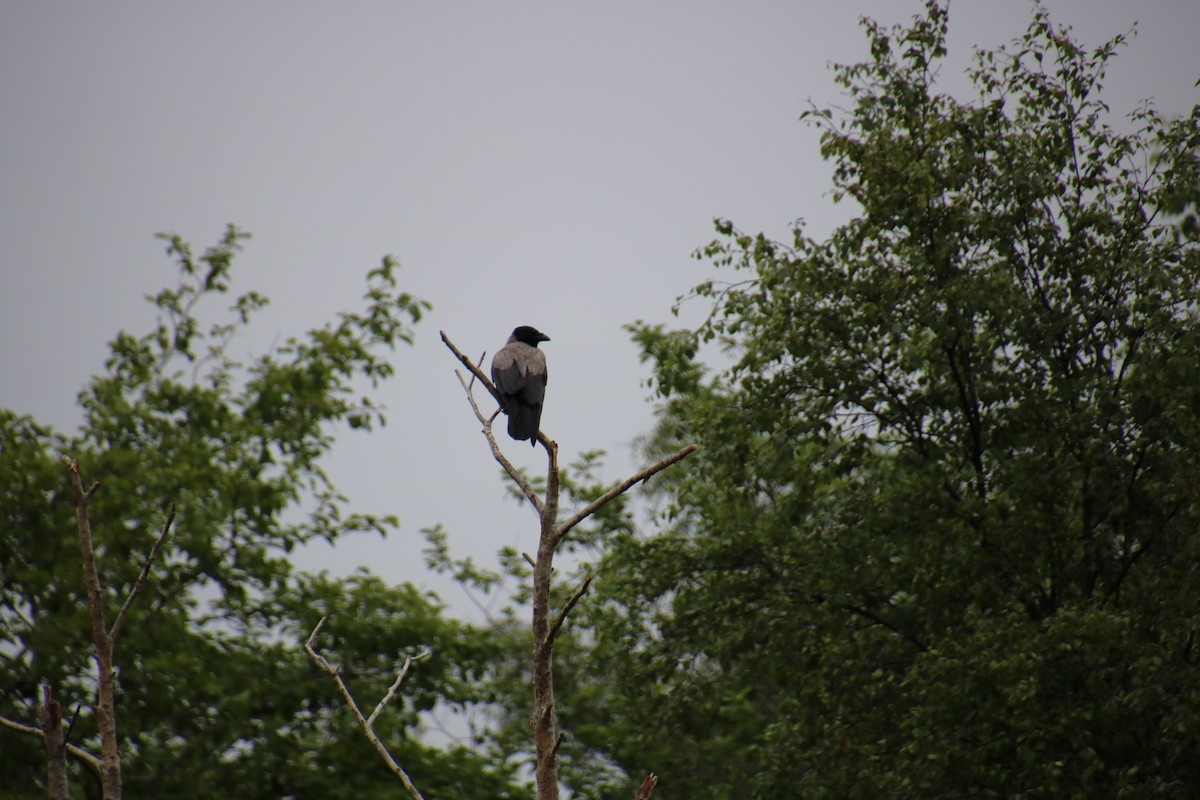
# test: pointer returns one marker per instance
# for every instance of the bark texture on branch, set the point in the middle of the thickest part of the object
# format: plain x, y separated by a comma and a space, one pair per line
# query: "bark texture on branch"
545, 737
106, 712
54, 738
649, 784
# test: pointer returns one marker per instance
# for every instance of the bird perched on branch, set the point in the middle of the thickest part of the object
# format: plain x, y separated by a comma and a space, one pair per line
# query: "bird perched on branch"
519, 372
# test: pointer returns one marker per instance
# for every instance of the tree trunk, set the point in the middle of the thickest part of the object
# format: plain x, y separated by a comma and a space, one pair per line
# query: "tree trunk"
50, 716
545, 739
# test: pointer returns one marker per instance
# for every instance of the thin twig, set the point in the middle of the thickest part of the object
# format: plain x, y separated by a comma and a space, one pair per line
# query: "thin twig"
485, 610
476, 371
391, 692
562, 615
622, 487
529, 558
363, 722
74, 719
479, 365
141, 578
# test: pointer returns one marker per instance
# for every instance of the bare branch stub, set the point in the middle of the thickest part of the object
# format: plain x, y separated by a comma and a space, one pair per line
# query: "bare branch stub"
363, 722
649, 783
53, 736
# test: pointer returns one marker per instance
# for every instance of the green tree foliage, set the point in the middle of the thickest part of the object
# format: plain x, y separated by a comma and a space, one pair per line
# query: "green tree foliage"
215, 695
940, 539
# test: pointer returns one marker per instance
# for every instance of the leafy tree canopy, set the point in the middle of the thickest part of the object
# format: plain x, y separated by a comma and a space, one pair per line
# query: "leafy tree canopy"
941, 536
216, 697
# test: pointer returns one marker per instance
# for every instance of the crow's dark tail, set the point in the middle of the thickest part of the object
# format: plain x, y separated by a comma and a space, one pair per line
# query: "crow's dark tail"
523, 423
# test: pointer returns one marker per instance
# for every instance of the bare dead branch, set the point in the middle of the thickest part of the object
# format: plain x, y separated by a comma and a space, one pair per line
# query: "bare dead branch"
545, 738
476, 371
75, 751
106, 714
141, 578
364, 723
479, 366
513, 472
562, 615
391, 692
623, 487
647, 788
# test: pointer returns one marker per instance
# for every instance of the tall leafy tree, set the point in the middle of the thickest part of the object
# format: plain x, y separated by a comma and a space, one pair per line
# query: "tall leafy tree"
941, 538
216, 698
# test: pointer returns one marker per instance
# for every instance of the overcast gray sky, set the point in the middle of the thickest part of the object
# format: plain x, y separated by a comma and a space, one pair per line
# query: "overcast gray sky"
551, 164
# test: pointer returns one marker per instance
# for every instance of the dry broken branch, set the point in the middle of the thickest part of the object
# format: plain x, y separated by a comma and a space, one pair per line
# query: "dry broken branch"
514, 473
367, 723
475, 370
623, 487
545, 738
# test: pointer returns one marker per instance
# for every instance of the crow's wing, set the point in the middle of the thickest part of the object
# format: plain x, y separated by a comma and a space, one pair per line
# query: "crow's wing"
533, 363
519, 370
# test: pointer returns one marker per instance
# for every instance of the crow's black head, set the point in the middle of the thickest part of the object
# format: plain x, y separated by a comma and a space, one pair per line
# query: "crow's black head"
529, 335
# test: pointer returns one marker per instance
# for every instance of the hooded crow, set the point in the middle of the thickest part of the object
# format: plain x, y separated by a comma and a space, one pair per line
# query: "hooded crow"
519, 372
